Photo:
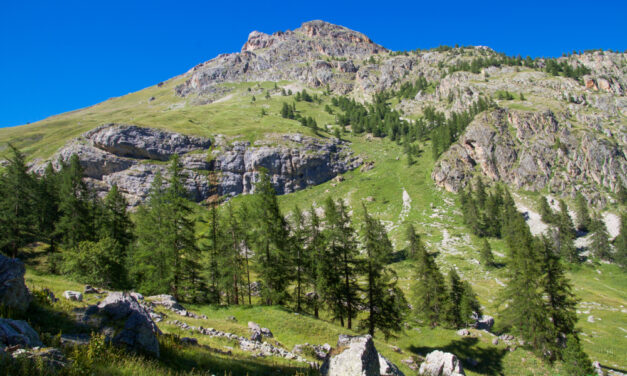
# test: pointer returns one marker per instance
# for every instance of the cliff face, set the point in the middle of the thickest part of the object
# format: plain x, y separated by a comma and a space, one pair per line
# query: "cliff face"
130, 157
533, 151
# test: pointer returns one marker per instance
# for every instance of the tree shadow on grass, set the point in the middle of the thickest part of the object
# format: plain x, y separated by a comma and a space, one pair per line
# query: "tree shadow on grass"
490, 360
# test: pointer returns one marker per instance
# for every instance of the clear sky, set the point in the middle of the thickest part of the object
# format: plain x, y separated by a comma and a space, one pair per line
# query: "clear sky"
57, 56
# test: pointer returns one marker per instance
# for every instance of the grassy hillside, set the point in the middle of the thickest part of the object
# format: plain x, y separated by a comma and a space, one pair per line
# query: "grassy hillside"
393, 191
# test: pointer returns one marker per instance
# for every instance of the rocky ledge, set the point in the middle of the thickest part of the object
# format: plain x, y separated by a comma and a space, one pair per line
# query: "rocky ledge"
130, 156
533, 150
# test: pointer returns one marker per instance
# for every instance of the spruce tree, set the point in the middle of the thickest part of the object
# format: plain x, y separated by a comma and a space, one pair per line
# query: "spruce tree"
18, 214
430, 290
600, 245
151, 266
385, 302
116, 223
487, 258
561, 303
545, 211
582, 213
415, 244
232, 266
271, 241
620, 243
576, 361
456, 292
338, 283
566, 234
75, 221
469, 305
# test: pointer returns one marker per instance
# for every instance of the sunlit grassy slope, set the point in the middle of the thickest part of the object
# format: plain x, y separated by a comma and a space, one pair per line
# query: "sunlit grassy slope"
601, 288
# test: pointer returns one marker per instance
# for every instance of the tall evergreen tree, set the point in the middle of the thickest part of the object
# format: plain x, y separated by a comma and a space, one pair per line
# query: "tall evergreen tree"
48, 206
18, 220
385, 302
271, 243
600, 244
298, 253
620, 243
487, 258
313, 252
116, 223
338, 284
561, 303
75, 223
210, 246
524, 310
415, 245
576, 361
582, 213
566, 234
545, 211
233, 261
430, 290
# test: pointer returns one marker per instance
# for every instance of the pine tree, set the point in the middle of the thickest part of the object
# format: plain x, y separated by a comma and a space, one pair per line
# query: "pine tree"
116, 223
582, 213
210, 246
566, 234
456, 292
48, 206
469, 306
180, 236
232, 263
338, 283
75, 222
298, 240
524, 310
313, 252
385, 302
561, 303
576, 361
18, 220
487, 258
430, 291
620, 243
545, 211
600, 245
271, 243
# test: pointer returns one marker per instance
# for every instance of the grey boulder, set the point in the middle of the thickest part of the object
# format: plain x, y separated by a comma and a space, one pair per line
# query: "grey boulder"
13, 292
440, 363
357, 356
18, 332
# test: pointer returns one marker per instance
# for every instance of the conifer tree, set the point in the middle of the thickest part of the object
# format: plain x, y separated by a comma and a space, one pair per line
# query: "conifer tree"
75, 222
524, 311
338, 283
18, 220
456, 292
545, 211
487, 258
620, 243
48, 206
430, 291
271, 241
561, 303
600, 244
298, 240
469, 305
582, 213
232, 266
313, 252
384, 300
566, 234
151, 255
576, 361
210, 246
116, 223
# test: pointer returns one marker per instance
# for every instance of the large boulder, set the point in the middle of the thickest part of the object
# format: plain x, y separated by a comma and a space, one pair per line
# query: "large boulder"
138, 332
14, 294
17, 332
357, 356
439, 363
354, 356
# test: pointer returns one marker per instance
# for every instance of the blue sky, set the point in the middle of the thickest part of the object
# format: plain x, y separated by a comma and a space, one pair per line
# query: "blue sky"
57, 56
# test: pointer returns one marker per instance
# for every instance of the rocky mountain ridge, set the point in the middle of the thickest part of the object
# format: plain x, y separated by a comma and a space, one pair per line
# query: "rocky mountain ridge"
130, 156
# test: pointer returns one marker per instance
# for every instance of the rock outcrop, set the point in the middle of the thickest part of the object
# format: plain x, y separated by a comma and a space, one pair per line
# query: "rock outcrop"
440, 363
130, 157
532, 151
357, 356
135, 329
17, 332
14, 294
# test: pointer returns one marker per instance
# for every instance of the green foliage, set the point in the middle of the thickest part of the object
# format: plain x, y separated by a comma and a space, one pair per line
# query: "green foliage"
410, 90
477, 64
555, 68
384, 301
430, 291
97, 263
18, 202
621, 243
582, 213
600, 245
487, 258
576, 361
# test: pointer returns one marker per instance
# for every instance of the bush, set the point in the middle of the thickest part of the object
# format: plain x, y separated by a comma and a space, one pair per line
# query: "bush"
98, 263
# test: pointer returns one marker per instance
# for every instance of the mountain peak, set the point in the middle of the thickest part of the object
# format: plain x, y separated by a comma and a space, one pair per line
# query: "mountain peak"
329, 38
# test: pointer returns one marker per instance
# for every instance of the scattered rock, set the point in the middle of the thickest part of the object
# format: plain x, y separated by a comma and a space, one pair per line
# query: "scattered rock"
439, 363
91, 290
367, 166
354, 356
256, 336
13, 292
484, 323
50, 357
139, 332
232, 318
73, 295
266, 332
254, 326
411, 363
591, 319
495, 341
387, 368
463, 332
18, 332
